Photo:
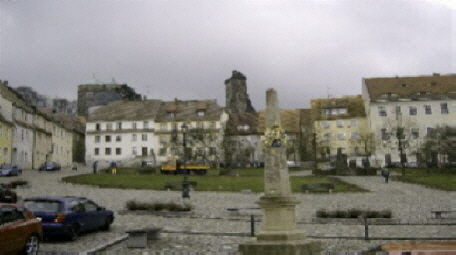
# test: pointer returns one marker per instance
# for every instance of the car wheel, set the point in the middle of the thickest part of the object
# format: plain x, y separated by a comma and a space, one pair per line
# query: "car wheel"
107, 224
32, 245
74, 233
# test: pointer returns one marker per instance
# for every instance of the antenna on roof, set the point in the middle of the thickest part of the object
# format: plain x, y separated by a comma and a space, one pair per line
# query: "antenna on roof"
328, 89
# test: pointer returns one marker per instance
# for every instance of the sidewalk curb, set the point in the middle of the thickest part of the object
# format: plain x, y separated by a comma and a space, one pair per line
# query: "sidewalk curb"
104, 246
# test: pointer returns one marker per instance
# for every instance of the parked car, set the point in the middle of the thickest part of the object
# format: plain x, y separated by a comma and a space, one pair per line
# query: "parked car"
69, 216
6, 194
50, 166
10, 170
293, 164
20, 230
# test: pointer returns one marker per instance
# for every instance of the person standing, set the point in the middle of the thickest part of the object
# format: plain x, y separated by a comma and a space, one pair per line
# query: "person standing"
114, 167
385, 174
95, 166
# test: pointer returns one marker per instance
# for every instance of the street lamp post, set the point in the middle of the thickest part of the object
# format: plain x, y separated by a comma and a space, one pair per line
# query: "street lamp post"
185, 182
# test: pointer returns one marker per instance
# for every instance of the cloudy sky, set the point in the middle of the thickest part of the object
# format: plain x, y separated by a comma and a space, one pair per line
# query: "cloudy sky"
186, 49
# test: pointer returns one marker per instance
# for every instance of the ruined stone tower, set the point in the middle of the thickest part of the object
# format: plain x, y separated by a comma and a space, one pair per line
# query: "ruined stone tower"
237, 99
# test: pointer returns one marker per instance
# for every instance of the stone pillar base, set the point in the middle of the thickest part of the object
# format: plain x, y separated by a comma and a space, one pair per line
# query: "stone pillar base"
303, 247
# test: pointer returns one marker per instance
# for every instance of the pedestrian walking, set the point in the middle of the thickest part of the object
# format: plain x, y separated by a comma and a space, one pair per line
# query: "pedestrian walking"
114, 167
385, 174
95, 166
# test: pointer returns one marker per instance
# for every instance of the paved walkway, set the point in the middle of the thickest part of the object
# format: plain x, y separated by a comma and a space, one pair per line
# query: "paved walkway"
408, 202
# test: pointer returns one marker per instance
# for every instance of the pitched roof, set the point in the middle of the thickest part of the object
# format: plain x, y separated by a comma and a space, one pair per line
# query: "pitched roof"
413, 88
187, 110
353, 104
289, 118
126, 110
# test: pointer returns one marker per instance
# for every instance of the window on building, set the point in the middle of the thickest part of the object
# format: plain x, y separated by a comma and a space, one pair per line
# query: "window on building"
133, 137
162, 152
382, 111
412, 110
200, 125
163, 139
107, 151
97, 139
385, 134
356, 150
133, 125
118, 151
341, 136
118, 138
108, 126
119, 125
163, 127
144, 137
172, 115
429, 130
444, 108
107, 138
212, 151
340, 123
353, 123
355, 136
327, 136
174, 126
415, 133
398, 110
212, 124
146, 124
134, 151
427, 109
97, 151
324, 124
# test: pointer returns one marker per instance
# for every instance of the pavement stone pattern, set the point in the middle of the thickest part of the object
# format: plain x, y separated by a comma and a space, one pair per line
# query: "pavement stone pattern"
408, 202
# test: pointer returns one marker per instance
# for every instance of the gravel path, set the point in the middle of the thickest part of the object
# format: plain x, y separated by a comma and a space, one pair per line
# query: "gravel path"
408, 202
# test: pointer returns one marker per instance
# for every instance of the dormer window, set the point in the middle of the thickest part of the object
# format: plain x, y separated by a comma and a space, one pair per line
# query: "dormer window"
201, 113
172, 114
243, 127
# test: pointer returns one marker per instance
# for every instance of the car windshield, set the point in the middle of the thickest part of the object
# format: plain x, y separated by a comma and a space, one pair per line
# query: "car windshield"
42, 205
6, 166
48, 164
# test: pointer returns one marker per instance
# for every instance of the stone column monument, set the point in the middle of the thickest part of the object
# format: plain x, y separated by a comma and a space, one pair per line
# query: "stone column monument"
279, 233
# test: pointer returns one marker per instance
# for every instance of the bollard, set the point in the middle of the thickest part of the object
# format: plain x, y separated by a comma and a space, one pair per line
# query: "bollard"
252, 225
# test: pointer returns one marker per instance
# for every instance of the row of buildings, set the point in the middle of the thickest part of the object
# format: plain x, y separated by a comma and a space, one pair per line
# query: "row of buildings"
30, 135
361, 127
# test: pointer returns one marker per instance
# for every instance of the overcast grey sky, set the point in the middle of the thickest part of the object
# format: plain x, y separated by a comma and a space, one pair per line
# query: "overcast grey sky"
186, 49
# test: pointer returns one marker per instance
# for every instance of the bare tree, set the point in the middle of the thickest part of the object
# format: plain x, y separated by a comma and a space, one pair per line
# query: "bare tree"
367, 142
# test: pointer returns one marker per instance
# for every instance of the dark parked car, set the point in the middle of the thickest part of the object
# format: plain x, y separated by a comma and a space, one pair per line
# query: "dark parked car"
6, 194
10, 170
69, 216
20, 230
50, 166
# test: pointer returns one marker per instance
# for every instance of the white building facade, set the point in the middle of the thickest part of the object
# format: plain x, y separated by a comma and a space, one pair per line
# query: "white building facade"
412, 106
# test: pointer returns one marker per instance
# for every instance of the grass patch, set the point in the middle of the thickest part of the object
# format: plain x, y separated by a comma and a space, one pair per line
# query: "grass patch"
252, 179
442, 182
425, 171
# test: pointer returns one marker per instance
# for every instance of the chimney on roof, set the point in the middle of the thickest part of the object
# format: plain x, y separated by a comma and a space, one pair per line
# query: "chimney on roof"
436, 74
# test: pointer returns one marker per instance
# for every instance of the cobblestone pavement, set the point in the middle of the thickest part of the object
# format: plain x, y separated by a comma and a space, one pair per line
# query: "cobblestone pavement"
408, 202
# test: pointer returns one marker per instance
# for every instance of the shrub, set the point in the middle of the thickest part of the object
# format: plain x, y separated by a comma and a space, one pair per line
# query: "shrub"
146, 170
321, 214
133, 205
353, 213
16, 183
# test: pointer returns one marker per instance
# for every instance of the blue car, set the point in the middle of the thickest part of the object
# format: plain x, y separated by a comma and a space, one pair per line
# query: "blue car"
69, 216
10, 170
